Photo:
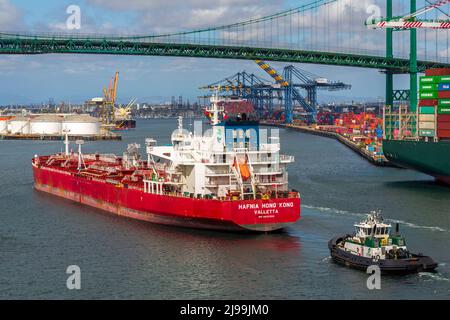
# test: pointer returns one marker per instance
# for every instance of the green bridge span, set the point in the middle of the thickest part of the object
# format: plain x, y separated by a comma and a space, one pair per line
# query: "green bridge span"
42, 45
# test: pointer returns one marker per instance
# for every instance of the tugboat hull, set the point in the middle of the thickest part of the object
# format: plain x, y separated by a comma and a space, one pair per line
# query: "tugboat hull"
417, 263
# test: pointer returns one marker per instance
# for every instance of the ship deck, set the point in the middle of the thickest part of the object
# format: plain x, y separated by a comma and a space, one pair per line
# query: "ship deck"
109, 169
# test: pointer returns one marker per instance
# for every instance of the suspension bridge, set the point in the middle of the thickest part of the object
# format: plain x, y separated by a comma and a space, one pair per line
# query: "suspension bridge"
331, 32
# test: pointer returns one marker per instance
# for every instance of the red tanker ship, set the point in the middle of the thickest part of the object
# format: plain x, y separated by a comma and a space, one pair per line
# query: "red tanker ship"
232, 177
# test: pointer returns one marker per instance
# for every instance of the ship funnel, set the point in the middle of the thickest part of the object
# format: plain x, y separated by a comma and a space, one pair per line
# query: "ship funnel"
397, 228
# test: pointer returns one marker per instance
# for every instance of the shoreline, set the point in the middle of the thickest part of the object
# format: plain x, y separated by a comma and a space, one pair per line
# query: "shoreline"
362, 152
50, 137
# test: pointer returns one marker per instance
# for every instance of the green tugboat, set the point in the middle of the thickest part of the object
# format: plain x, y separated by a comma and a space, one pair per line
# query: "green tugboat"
373, 244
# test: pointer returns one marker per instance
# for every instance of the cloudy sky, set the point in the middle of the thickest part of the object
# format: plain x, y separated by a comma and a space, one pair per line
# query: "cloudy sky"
75, 78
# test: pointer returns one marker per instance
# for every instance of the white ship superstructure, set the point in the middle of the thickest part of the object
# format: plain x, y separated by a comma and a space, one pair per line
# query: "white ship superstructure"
233, 159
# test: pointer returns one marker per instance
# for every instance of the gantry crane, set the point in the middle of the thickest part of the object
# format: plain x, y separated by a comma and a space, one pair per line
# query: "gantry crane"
248, 86
285, 90
294, 78
410, 21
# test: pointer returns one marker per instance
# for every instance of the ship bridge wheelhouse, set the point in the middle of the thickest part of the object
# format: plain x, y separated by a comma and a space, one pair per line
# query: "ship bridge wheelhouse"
373, 230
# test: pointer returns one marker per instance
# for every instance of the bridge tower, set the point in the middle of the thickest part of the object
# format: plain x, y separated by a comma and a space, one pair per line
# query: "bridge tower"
413, 63
389, 54
410, 94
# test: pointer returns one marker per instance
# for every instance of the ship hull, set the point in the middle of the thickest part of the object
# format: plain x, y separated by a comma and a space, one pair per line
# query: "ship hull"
245, 215
125, 124
432, 158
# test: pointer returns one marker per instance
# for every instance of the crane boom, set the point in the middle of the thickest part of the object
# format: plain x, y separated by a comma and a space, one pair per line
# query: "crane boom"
427, 8
109, 96
410, 22
402, 24
114, 88
271, 72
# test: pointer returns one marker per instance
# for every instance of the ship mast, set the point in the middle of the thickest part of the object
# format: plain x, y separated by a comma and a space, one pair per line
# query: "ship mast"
214, 110
180, 124
81, 162
66, 141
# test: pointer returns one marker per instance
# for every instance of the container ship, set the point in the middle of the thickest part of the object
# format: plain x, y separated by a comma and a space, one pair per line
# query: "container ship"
420, 139
232, 177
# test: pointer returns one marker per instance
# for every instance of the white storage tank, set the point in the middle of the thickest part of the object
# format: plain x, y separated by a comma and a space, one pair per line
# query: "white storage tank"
81, 125
19, 125
46, 124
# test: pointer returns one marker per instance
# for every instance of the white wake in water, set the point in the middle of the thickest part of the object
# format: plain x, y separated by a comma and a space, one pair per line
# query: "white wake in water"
433, 276
332, 210
412, 225
348, 213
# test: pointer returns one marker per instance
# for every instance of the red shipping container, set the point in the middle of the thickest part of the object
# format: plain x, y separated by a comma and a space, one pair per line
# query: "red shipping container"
444, 94
428, 102
437, 72
443, 125
443, 133
443, 118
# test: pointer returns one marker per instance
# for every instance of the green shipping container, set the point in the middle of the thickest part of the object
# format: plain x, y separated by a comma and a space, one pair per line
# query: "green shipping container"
444, 103
444, 78
428, 87
428, 95
427, 133
430, 79
443, 110
427, 110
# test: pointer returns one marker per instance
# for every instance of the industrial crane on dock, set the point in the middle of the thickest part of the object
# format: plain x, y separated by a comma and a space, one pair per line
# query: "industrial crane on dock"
248, 86
293, 79
110, 94
112, 116
107, 103
286, 89
410, 21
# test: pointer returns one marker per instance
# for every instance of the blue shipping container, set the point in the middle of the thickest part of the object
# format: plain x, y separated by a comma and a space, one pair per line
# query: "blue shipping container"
444, 86
379, 132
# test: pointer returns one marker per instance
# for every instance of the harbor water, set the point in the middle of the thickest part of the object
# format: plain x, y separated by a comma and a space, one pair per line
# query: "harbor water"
41, 235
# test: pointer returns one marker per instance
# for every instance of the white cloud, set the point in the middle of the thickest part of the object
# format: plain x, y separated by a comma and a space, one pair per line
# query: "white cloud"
10, 63
10, 16
174, 4
174, 15
320, 27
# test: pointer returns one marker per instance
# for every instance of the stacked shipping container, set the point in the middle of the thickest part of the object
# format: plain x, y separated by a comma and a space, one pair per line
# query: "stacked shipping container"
434, 104
366, 125
326, 117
